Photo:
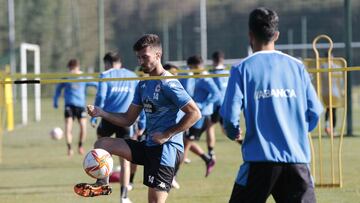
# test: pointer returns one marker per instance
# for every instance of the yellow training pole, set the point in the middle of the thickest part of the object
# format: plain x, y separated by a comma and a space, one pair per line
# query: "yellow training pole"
318, 88
331, 117
1, 128
342, 127
1, 113
330, 63
330, 89
9, 106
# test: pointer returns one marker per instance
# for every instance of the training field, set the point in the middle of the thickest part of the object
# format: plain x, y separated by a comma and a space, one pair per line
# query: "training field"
36, 169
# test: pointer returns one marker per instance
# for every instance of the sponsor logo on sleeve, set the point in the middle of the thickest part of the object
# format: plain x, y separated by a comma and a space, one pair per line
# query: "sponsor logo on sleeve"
172, 84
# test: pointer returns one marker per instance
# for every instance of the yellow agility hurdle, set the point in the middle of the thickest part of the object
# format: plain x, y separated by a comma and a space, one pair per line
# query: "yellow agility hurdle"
8, 102
18, 76
327, 78
2, 105
56, 81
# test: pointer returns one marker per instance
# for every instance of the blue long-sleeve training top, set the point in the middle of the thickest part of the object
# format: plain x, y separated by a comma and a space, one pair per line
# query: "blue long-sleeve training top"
74, 93
280, 107
116, 96
205, 95
188, 83
221, 82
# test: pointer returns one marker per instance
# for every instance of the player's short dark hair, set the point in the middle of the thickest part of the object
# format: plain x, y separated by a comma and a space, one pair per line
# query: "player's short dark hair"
147, 40
263, 23
169, 66
217, 55
73, 63
194, 60
112, 57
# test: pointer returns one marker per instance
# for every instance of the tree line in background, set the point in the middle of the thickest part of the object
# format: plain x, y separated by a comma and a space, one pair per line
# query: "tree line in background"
67, 29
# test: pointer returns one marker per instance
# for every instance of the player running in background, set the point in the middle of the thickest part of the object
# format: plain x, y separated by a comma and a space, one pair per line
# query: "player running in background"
116, 97
280, 107
171, 68
75, 98
218, 67
163, 148
188, 83
189, 86
205, 95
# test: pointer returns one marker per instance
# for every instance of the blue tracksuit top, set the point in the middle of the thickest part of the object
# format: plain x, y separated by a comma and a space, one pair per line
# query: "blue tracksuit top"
205, 95
279, 104
116, 96
74, 93
188, 83
221, 83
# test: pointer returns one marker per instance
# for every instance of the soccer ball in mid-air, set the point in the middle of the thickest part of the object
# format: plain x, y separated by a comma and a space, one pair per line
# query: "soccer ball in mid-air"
98, 163
56, 133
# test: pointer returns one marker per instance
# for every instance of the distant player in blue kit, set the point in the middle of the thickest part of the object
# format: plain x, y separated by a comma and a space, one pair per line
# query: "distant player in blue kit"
163, 148
188, 83
280, 107
75, 97
116, 97
205, 95
221, 83
189, 86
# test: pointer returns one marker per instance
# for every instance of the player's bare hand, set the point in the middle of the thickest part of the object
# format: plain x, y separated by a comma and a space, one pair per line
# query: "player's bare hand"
160, 137
239, 138
138, 132
94, 111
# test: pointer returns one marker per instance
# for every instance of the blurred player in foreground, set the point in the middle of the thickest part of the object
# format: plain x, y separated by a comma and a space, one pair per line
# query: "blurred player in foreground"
75, 97
280, 107
162, 151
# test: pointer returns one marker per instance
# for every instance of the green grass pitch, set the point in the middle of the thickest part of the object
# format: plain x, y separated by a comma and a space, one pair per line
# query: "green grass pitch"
35, 168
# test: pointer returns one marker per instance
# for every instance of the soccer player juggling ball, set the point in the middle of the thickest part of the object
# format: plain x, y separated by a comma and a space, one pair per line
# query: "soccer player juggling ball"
163, 148
116, 97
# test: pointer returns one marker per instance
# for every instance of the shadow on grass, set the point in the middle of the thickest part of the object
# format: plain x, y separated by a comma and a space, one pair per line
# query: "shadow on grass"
37, 168
34, 189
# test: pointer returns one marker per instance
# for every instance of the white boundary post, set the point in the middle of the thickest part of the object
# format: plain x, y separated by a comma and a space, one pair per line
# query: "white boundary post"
203, 30
24, 47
